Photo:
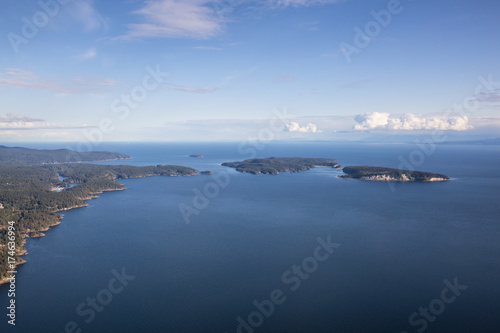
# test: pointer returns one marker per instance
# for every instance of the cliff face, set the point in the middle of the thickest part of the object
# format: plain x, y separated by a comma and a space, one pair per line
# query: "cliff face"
390, 174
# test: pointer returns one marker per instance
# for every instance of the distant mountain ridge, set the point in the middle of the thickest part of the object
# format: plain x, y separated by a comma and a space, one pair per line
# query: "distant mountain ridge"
495, 141
27, 156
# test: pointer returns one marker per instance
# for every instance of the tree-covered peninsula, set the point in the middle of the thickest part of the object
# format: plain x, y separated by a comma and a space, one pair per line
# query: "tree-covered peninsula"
390, 174
26, 156
275, 165
34, 188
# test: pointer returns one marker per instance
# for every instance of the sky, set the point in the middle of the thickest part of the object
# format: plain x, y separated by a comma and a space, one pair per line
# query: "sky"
228, 70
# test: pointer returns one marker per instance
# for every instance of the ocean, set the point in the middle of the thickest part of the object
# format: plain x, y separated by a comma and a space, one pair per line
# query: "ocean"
301, 252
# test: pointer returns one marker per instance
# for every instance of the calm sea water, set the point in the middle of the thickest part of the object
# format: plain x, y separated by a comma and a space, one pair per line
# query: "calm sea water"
398, 244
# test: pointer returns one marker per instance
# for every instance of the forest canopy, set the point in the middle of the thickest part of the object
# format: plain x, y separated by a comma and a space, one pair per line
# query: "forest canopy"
36, 184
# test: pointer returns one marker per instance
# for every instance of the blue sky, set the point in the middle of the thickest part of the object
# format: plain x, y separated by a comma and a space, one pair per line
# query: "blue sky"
326, 69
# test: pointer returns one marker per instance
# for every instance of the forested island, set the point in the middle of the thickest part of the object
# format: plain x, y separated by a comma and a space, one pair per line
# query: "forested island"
390, 174
28, 196
275, 165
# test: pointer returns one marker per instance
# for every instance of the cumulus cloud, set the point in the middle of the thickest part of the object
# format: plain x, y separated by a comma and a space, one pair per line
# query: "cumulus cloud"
409, 122
295, 127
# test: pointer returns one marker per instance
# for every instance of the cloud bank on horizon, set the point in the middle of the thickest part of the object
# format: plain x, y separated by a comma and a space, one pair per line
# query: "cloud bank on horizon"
409, 122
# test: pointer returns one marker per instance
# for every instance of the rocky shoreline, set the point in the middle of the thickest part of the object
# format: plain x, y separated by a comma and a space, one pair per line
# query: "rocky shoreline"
40, 233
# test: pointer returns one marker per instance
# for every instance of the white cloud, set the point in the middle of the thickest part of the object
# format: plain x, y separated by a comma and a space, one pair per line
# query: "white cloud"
409, 122
295, 127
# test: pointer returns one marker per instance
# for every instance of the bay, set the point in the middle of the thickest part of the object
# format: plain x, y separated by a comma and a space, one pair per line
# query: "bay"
398, 243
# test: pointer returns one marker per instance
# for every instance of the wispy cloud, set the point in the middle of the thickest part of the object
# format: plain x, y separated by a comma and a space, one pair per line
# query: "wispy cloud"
95, 81
18, 122
355, 84
14, 118
89, 54
409, 122
284, 79
189, 89
199, 19
55, 134
36, 135
85, 13
175, 19
208, 48
490, 97
310, 26
19, 78
299, 3
334, 53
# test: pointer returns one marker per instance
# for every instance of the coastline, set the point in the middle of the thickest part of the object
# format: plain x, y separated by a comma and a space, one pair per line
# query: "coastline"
40, 233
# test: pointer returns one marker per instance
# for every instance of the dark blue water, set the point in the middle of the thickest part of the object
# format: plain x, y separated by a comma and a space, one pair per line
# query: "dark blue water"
398, 243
